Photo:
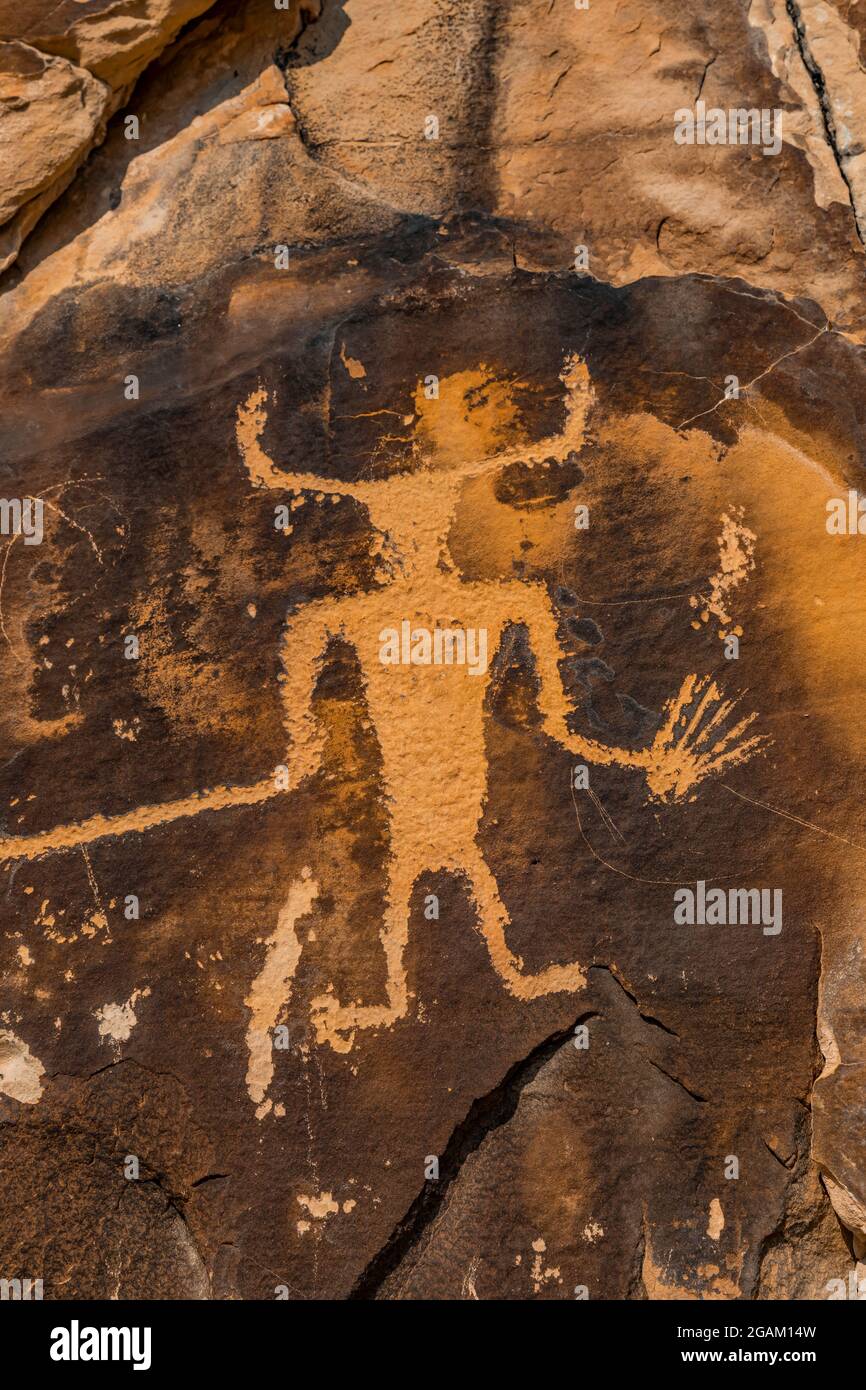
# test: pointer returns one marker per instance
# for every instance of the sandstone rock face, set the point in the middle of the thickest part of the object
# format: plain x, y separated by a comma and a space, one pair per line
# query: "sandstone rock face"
50, 112
77, 64
341, 958
113, 39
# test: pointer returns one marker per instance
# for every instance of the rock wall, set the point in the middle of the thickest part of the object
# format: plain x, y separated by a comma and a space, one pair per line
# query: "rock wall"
422, 583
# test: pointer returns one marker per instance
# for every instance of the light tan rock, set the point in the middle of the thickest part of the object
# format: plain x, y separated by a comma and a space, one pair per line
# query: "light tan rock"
563, 122
62, 75
803, 125
51, 113
114, 39
835, 49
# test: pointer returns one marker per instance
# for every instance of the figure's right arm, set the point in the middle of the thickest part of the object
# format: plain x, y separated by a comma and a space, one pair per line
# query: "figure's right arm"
303, 646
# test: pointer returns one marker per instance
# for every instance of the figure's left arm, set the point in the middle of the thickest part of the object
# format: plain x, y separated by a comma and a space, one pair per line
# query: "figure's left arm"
529, 604
691, 742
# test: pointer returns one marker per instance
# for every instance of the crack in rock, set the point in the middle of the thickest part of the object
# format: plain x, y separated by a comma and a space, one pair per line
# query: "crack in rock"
801, 39
485, 1115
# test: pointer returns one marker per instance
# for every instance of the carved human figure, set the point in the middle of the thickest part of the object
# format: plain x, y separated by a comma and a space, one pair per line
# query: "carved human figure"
435, 786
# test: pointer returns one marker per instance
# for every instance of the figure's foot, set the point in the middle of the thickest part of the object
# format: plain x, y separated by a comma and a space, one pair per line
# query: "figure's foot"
556, 979
492, 922
686, 750
337, 1023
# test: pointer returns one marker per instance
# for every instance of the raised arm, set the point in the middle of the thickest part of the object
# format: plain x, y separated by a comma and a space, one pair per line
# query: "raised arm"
250, 422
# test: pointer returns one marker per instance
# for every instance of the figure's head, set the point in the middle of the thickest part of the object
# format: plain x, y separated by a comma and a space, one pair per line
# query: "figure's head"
464, 424
481, 395
473, 382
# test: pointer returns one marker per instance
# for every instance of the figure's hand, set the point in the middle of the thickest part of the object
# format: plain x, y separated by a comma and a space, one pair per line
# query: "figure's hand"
691, 746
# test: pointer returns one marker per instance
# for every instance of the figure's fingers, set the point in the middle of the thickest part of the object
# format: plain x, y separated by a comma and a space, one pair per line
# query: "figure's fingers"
753, 745
727, 755
717, 718
710, 694
732, 737
707, 693
675, 706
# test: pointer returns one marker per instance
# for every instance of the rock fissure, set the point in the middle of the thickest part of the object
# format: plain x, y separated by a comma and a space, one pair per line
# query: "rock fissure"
486, 1114
819, 83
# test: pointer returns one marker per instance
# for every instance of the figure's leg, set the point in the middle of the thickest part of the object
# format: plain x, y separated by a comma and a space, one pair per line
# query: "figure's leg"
492, 919
336, 1023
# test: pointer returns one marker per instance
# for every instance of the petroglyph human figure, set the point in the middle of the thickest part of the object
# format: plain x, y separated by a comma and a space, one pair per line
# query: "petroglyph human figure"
429, 719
